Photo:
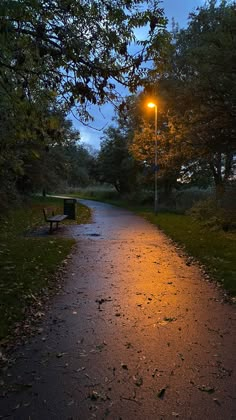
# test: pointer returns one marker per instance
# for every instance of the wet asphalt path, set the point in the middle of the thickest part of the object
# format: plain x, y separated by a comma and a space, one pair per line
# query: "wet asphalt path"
134, 334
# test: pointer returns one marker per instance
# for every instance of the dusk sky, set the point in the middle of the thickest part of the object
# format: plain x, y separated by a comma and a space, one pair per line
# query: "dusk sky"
177, 9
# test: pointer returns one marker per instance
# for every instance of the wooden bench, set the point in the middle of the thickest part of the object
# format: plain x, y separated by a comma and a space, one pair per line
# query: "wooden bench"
54, 218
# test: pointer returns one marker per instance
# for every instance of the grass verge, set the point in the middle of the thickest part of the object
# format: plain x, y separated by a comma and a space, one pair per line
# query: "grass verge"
28, 263
215, 249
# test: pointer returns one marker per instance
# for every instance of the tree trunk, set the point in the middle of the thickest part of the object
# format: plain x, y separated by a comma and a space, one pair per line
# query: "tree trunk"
117, 187
216, 168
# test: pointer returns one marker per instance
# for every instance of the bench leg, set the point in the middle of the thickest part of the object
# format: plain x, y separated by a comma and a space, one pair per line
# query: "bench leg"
51, 226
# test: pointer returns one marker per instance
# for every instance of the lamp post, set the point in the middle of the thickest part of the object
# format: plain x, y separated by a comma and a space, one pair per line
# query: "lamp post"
153, 105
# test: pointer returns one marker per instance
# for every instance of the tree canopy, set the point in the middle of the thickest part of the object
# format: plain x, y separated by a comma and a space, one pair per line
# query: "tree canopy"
205, 56
78, 49
196, 98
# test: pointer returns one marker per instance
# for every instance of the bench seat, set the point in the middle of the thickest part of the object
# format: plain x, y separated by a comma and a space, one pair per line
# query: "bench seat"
57, 218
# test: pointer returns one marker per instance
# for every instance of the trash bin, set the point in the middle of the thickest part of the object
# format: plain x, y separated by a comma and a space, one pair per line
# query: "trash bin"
70, 207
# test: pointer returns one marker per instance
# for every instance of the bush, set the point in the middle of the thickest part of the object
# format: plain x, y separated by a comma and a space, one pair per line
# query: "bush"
210, 214
186, 198
98, 192
139, 197
9, 197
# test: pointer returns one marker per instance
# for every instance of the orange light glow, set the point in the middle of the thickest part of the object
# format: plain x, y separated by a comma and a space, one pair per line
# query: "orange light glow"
151, 105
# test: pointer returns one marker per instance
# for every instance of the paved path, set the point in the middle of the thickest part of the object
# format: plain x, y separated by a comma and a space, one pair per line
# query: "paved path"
135, 334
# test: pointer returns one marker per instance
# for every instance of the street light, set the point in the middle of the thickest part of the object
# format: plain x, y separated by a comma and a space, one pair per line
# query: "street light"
153, 105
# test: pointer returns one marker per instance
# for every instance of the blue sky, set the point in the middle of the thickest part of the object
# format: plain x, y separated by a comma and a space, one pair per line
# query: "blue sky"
177, 9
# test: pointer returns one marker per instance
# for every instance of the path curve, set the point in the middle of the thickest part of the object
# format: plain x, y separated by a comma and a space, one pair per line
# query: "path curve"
135, 334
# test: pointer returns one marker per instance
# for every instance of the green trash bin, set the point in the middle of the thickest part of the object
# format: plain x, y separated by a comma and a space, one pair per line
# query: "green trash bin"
70, 207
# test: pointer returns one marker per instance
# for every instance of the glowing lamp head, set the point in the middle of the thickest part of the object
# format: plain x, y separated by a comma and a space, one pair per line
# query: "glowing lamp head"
151, 105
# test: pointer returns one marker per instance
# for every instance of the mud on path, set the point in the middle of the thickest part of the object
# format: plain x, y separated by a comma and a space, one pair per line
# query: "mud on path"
135, 333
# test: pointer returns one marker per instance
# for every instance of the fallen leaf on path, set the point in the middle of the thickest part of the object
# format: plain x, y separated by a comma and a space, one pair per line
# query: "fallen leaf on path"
39, 314
124, 366
70, 403
94, 396
154, 372
101, 346
169, 319
60, 355
216, 401
16, 407
161, 393
208, 389
80, 369
138, 380
40, 330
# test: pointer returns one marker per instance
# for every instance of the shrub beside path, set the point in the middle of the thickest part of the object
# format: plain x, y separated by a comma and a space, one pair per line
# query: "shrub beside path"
136, 332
